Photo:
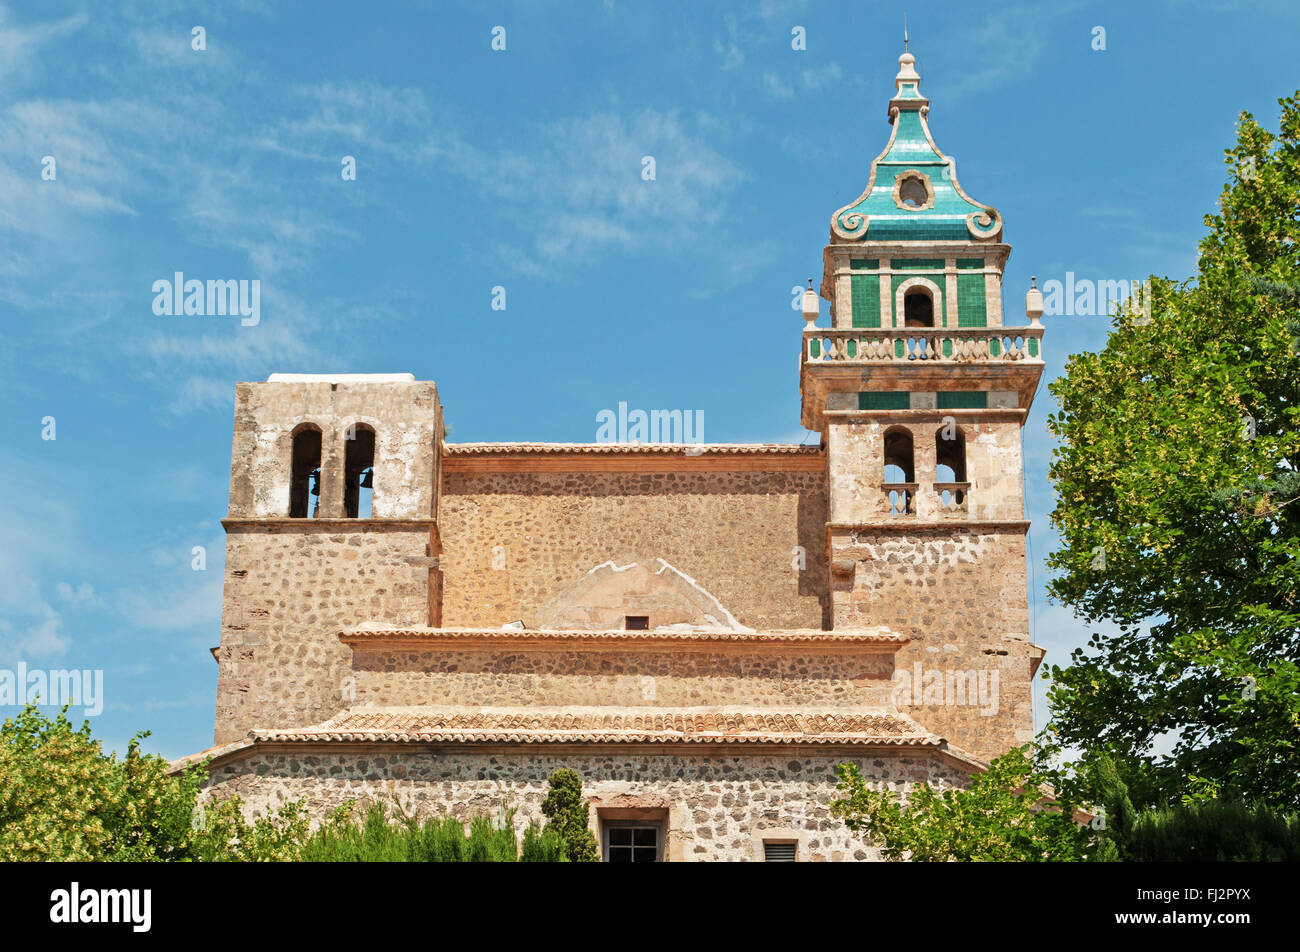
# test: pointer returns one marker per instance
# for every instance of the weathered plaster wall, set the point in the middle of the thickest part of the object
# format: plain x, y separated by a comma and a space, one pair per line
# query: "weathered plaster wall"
513, 541
603, 598
715, 806
407, 421
856, 464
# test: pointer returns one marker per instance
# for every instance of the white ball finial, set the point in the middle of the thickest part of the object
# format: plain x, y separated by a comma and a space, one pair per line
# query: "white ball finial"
1033, 302
906, 70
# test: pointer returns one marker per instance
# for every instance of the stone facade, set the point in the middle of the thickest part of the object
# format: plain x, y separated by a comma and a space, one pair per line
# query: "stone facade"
513, 541
702, 632
290, 588
715, 806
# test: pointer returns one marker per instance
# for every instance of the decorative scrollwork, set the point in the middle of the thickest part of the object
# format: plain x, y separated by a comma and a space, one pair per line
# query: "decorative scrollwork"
851, 225
984, 224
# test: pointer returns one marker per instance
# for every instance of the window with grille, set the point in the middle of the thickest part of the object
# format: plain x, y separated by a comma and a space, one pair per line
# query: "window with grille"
631, 842
779, 852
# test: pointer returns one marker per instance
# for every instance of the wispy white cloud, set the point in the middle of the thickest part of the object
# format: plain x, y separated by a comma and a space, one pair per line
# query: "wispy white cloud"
755, 26
580, 187
174, 608
81, 597
21, 45
812, 79
1011, 40
39, 640
776, 88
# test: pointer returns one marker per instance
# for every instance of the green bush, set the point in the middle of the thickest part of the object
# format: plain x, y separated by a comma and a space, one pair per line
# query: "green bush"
567, 813
487, 844
542, 845
341, 840
1213, 831
440, 841
381, 838
1007, 815
63, 799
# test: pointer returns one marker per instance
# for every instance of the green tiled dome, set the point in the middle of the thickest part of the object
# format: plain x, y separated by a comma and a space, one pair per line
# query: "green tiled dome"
913, 194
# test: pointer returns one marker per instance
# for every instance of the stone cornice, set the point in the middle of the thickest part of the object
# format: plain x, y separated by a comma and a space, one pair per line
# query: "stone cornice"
616, 457
946, 526
927, 416
325, 525
877, 640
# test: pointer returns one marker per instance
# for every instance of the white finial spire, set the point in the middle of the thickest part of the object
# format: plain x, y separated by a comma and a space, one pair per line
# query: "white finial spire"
906, 71
904, 32
811, 306
1034, 303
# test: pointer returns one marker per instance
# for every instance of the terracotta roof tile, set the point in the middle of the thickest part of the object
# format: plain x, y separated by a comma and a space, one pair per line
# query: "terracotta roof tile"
594, 725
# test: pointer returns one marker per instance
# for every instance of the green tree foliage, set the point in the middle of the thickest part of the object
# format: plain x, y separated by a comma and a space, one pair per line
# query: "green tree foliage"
542, 846
342, 838
63, 799
388, 835
1178, 508
567, 813
1212, 831
1008, 814
1191, 831
487, 844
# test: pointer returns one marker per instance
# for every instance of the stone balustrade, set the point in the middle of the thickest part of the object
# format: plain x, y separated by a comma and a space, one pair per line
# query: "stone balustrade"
952, 498
959, 345
901, 498
948, 499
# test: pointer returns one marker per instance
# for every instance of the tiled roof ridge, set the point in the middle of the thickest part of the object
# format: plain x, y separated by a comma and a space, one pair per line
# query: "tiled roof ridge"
855, 727
859, 726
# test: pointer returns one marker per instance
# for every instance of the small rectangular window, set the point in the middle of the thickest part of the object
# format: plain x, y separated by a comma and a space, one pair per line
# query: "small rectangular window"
636, 623
776, 852
631, 842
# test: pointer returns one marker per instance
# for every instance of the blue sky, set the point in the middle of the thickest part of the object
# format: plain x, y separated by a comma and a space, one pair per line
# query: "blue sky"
519, 169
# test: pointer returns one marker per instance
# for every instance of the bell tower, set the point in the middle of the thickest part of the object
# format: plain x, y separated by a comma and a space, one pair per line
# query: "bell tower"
920, 393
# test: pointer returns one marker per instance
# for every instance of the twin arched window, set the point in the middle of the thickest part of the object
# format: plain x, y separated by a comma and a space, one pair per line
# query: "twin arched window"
358, 471
949, 455
304, 471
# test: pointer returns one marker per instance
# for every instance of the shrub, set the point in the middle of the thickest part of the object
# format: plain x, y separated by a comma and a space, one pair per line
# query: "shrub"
63, 799
567, 814
1007, 814
398, 838
542, 845
1213, 831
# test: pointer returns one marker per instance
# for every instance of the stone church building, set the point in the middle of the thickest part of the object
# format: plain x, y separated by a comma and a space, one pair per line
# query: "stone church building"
703, 631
